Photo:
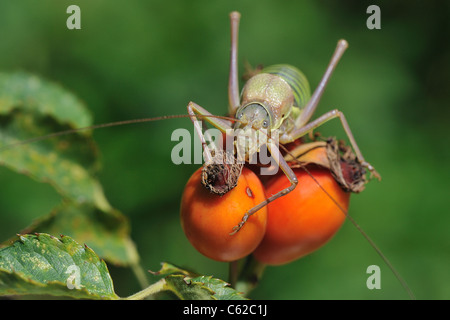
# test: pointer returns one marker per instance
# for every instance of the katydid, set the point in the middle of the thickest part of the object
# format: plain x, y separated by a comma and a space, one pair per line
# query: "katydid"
279, 99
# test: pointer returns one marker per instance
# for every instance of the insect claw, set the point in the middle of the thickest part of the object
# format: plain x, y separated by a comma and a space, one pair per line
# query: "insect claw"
235, 230
373, 172
240, 225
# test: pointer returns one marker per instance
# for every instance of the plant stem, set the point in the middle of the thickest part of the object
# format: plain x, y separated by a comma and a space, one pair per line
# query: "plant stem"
250, 275
140, 275
150, 290
233, 272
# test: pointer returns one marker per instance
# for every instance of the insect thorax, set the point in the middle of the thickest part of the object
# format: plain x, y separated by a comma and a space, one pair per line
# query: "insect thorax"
296, 80
281, 88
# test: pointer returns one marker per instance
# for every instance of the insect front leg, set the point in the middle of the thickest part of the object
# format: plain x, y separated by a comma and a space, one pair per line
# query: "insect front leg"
223, 125
299, 132
275, 152
221, 170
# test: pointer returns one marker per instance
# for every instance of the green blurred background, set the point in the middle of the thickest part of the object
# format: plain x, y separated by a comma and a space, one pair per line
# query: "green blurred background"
136, 58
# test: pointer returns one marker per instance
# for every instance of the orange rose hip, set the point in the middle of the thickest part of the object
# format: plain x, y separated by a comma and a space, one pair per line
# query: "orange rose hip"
208, 219
303, 220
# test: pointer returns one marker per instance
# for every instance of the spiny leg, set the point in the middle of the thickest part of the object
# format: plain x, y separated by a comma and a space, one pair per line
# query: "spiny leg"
199, 131
193, 110
221, 124
233, 81
311, 106
275, 152
302, 126
299, 132
220, 171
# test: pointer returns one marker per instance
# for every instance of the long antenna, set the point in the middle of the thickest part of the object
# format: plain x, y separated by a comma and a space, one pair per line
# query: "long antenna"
106, 125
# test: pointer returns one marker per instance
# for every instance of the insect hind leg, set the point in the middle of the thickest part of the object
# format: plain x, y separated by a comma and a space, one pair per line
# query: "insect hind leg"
300, 132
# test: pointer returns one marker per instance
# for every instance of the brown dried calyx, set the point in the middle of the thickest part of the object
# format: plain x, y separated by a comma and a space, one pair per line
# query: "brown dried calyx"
335, 156
345, 167
221, 174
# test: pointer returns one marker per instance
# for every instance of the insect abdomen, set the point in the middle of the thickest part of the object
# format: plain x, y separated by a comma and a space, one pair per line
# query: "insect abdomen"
296, 80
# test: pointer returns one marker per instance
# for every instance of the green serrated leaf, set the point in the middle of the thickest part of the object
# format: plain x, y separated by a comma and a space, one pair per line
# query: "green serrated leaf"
188, 285
185, 289
30, 108
107, 233
68, 164
221, 289
168, 268
29, 92
45, 265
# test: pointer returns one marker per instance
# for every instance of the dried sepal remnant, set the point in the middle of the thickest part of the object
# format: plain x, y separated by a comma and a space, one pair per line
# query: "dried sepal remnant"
335, 156
221, 174
345, 167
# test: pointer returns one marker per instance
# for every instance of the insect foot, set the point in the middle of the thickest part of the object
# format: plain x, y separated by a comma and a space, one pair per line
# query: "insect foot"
373, 172
240, 225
